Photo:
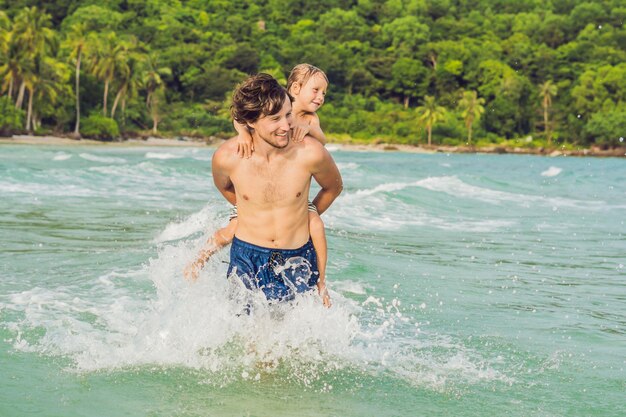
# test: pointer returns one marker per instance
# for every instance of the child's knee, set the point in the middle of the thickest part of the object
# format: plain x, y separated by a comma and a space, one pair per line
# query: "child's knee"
225, 235
316, 225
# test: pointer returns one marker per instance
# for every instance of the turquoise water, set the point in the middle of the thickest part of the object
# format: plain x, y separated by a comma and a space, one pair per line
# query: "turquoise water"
465, 285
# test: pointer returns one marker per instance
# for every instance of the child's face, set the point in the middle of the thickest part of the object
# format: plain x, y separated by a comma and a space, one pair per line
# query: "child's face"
311, 95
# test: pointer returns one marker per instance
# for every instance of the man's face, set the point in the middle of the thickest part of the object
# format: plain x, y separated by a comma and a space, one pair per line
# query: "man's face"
274, 129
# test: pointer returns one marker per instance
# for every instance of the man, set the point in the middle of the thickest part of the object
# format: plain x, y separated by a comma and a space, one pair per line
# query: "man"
272, 250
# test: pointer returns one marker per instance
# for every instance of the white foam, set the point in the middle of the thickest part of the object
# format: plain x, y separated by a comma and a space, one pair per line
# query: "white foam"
374, 209
105, 159
452, 185
205, 219
344, 166
351, 287
551, 172
69, 190
115, 321
161, 155
388, 187
62, 157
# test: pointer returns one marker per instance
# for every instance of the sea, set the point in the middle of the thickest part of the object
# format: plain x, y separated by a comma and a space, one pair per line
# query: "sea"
462, 285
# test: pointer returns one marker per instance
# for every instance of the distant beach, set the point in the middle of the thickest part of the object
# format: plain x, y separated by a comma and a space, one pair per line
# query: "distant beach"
380, 147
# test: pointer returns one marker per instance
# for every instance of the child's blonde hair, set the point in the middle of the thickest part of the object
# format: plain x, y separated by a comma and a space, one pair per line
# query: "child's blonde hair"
301, 73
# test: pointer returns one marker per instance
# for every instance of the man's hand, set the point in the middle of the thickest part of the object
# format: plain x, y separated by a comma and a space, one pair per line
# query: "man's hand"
323, 291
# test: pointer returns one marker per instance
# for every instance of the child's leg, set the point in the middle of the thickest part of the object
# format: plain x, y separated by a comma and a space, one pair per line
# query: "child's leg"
225, 235
220, 238
318, 237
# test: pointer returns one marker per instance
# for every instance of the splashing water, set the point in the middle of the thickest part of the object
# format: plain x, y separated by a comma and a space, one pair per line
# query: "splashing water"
461, 285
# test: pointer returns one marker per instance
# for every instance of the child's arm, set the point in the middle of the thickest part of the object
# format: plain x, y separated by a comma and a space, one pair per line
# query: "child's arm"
245, 147
315, 129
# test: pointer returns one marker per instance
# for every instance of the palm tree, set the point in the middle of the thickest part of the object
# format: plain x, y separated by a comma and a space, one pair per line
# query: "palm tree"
5, 37
154, 85
51, 80
472, 108
109, 56
77, 41
35, 38
14, 63
547, 90
129, 73
429, 114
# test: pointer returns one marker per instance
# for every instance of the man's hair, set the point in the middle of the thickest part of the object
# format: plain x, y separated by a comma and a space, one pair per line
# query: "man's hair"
301, 73
259, 95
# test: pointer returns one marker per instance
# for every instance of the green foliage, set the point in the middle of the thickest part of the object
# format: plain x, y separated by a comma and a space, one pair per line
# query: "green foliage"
197, 120
159, 63
607, 129
99, 127
11, 119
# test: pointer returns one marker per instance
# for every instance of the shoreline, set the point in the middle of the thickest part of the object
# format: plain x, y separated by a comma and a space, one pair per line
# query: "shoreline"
378, 147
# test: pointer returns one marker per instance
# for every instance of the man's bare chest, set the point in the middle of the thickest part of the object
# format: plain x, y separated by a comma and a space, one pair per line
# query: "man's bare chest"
267, 183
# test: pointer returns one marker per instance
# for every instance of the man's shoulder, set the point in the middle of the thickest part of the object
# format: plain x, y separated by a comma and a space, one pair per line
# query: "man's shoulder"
226, 147
312, 145
311, 152
313, 148
226, 151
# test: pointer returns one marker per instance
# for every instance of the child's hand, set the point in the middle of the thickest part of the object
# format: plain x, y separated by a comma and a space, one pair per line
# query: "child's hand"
300, 131
323, 291
245, 147
192, 270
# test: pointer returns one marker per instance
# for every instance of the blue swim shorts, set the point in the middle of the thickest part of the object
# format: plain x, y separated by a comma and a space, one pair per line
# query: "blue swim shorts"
279, 273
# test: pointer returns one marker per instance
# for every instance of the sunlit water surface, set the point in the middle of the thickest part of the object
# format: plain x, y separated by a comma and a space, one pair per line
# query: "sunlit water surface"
463, 285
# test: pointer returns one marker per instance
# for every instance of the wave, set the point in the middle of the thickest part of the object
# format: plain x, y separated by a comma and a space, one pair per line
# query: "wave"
152, 316
551, 172
144, 169
457, 188
62, 157
69, 190
105, 159
161, 155
195, 223
344, 166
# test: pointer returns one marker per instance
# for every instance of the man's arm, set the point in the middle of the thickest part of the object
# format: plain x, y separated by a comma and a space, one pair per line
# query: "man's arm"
221, 165
326, 174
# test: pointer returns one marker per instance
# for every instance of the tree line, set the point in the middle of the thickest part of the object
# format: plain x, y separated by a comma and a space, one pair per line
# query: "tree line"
412, 71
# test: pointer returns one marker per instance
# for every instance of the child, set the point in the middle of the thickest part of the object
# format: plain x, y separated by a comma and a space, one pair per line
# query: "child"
306, 87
